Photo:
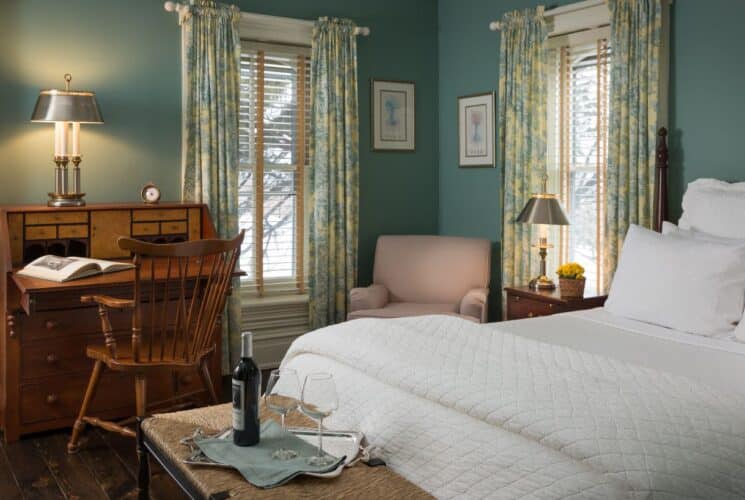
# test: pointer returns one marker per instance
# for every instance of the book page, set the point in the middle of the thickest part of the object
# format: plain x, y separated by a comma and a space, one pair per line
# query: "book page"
51, 267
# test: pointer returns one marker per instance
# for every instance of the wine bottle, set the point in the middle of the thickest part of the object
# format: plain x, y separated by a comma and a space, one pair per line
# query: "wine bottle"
246, 395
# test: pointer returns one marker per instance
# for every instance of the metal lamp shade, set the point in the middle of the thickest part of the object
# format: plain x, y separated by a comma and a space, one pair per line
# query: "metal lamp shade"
67, 106
543, 209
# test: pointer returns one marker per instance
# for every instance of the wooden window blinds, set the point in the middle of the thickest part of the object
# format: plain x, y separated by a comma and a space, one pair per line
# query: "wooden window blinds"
273, 151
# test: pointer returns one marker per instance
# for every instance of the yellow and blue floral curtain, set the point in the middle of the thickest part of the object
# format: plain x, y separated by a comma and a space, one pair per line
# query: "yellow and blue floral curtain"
636, 38
334, 170
210, 161
522, 133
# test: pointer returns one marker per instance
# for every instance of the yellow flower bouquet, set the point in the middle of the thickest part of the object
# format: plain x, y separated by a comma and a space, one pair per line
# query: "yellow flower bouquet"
571, 280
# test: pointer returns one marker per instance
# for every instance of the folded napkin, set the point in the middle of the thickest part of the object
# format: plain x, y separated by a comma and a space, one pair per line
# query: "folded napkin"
256, 464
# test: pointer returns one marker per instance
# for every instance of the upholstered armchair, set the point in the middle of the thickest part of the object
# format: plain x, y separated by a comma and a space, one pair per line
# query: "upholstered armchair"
417, 275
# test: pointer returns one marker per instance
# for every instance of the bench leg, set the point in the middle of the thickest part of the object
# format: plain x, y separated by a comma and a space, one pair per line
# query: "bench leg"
143, 470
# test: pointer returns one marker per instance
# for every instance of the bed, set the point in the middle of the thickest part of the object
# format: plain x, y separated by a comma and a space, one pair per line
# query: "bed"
577, 405
586, 404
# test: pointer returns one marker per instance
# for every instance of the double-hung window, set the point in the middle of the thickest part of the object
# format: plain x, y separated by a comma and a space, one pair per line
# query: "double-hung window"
579, 72
274, 137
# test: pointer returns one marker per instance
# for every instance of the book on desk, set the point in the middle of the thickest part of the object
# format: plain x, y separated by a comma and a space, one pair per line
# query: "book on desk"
61, 269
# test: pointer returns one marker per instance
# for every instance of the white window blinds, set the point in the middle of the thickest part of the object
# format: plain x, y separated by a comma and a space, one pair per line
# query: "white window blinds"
273, 142
577, 150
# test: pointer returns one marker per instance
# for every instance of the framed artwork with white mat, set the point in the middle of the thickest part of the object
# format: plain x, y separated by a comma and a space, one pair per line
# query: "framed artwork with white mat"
476, 135
393, 115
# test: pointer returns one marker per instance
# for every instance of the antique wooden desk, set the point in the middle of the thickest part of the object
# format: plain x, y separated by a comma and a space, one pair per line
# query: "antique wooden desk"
43, 367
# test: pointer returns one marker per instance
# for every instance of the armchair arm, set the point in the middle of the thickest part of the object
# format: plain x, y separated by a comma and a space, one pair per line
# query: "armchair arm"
104, 304
475, 304
372, 297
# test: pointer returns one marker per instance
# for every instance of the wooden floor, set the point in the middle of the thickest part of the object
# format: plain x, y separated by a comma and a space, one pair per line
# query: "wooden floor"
38, 467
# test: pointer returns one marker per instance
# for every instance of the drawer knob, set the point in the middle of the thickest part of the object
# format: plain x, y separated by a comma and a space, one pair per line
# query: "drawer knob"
530, 315
52, 399
11, 320
186, 379
550, 306
517, 299
52, 358
50, 324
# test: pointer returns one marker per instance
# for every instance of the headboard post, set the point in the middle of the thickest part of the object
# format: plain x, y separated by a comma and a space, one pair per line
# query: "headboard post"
660, 184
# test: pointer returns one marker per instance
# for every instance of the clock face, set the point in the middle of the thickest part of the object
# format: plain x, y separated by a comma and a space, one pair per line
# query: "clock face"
150, 194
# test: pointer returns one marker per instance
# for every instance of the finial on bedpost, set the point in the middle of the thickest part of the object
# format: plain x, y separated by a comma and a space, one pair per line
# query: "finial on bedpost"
660, 193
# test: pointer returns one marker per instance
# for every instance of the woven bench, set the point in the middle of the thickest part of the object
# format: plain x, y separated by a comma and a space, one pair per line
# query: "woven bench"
159, 436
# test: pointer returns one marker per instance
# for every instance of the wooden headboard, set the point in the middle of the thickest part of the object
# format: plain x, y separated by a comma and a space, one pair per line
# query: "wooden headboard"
660, 180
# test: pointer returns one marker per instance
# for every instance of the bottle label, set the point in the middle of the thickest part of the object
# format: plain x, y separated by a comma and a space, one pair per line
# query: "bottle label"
239, 405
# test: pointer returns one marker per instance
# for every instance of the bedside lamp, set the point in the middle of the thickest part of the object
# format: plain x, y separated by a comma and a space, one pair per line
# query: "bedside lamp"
67, 109
543, 209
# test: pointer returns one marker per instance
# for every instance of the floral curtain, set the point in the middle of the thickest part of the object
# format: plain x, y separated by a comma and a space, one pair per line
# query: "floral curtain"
334, 170
636, 30
522, 133
210, 160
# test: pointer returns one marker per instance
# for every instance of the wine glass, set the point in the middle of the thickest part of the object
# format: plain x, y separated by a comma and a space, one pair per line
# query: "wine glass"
281, 396
318, 401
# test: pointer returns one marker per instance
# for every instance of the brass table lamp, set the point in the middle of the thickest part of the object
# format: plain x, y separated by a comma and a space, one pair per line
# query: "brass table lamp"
543, 209
67, 109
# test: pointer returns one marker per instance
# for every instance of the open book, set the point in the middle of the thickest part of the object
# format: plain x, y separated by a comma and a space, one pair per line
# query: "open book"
53, 268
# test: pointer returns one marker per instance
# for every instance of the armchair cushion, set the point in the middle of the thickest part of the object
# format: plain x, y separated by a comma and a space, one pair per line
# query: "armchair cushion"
400, 309
475, 304
371, 297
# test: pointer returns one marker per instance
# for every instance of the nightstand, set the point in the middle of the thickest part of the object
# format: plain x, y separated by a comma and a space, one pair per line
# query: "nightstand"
524, 302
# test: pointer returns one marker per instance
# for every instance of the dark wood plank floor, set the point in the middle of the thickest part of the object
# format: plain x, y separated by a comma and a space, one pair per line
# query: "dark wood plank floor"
38, 467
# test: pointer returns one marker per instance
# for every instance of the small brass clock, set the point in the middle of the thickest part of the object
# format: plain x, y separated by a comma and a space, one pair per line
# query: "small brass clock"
150, 193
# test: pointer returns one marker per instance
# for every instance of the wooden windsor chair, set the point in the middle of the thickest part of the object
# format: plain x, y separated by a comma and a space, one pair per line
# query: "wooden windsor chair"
180, 291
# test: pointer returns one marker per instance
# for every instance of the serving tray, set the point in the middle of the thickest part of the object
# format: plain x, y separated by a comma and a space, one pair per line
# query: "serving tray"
336, 443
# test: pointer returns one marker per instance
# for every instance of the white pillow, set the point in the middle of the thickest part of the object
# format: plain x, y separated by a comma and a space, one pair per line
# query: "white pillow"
682, 283
714, 207
670, 229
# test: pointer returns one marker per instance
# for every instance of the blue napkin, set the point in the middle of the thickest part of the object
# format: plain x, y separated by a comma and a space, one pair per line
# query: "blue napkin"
255, 463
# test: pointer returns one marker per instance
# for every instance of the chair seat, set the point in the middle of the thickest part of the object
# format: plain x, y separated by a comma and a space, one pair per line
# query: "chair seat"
400, 309
125, 361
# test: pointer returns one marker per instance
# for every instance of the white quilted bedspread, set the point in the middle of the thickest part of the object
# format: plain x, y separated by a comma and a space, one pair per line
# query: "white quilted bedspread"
464, 410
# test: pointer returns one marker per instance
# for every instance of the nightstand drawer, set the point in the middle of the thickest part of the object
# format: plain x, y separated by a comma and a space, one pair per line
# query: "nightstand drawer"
521, 307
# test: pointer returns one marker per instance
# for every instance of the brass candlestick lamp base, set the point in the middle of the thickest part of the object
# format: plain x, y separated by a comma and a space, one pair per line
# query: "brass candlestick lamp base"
542, 282
63, 196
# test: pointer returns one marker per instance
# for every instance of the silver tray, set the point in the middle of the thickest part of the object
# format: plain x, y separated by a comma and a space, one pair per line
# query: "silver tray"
336, 443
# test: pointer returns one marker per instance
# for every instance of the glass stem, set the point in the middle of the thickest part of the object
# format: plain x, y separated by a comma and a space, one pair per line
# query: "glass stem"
320, 437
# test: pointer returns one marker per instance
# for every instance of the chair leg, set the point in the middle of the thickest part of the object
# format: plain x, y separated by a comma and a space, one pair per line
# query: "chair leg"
141, 394
204, 372
73, 446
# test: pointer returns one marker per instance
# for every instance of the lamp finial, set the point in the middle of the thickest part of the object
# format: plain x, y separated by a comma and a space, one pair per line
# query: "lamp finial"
68, 79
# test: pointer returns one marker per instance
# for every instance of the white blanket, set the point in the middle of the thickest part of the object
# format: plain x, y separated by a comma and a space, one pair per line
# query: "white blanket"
468, 410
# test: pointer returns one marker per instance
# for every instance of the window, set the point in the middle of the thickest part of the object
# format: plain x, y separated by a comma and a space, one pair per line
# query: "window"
273, 141
577, 149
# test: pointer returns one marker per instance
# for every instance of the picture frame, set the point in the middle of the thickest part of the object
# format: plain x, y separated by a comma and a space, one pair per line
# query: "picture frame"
476, 130
392, 115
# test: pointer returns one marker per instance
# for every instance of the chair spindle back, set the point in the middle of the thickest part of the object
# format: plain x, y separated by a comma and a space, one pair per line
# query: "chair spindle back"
180, 291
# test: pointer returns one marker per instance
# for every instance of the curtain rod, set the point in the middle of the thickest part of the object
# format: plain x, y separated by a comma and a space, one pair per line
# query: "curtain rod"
183, 8
564, 9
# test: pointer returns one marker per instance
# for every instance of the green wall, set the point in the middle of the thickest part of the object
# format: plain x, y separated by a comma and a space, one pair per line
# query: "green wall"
707, 106
128, 53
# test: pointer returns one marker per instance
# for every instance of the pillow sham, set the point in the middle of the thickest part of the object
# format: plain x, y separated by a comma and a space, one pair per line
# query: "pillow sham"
686, 284
710, 205
670, 229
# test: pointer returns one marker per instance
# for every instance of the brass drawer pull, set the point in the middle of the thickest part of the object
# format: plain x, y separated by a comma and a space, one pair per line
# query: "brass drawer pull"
11, 320
52, 399
50, 324
530, 314
550, 306
52, 358
517, 299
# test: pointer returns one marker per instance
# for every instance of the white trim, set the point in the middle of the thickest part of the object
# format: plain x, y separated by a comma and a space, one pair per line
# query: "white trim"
579, 38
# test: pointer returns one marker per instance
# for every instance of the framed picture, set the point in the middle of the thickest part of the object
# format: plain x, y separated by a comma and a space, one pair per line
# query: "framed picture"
476, 135
392, 106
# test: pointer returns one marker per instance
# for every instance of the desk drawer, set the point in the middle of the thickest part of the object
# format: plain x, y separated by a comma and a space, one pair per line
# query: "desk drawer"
55, 397
69, 322
159, 214
41, 232
145, 229
521, 307
56, 217
74, 231
173, 227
